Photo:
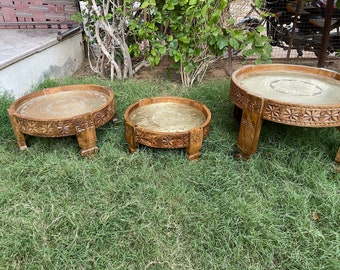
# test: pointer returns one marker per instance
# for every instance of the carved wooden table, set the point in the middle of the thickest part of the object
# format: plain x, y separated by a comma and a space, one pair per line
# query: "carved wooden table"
287, 94
63, 111
167, 122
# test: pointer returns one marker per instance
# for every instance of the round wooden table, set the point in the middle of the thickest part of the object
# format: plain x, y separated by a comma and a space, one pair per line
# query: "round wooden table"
167, 122
63, 111
287, 94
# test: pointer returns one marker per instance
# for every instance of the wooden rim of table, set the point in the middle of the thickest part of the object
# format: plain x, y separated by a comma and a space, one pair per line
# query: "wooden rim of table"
289, 113
147, 101
284, 67
49, 91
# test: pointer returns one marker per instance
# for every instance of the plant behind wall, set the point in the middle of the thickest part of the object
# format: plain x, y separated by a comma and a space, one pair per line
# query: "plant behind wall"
124, 36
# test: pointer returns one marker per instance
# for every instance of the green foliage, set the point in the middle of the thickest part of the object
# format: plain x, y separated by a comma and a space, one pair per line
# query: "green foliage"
191, 32
147, 37
258, 45
197, 32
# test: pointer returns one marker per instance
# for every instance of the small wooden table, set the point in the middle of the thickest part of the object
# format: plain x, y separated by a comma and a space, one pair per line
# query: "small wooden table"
63, 111
167, 122
287, 94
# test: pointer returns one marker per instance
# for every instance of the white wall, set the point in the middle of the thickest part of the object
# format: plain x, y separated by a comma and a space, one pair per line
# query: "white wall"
60, 59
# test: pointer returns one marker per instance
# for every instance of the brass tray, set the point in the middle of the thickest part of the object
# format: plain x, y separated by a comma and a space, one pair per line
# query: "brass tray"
167, 122
63, 111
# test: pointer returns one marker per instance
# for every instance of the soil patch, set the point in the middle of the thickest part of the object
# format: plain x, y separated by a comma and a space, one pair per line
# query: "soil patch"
218, 70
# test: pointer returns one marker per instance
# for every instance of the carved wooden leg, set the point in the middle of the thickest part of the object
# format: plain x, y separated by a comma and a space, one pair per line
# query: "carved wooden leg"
337, 158
86, 136
195, 143
131, 138
250, 129
20, 137
21, 140
87, 142
337, 161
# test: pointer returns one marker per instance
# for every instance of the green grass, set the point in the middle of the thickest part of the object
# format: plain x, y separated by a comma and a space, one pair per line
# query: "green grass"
155, 209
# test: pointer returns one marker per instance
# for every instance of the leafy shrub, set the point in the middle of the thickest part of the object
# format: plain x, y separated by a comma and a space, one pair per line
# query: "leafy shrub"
124, 36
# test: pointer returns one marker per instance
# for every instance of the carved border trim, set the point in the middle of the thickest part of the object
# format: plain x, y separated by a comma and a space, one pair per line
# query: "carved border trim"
317, 116
67, 127
290, 114
162, 140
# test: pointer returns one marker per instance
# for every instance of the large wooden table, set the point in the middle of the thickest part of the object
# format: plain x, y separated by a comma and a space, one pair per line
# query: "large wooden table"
287, 94
63, 111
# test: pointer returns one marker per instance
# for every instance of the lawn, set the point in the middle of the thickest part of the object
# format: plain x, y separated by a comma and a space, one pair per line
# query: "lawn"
155, 209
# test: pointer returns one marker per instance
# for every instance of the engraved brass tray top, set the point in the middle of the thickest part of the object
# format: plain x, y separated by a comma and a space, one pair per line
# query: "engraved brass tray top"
291, 86
288, 94
167, 122
63, 111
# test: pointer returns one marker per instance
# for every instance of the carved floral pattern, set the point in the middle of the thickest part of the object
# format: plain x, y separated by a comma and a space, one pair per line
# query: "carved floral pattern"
236, 96
161, 140
196, 136
101, 117
292, 114
84, 124
242, 99
63, 128
289, 114
273, 111
44, 128
302, 115
312, 115
332, 115
254, 104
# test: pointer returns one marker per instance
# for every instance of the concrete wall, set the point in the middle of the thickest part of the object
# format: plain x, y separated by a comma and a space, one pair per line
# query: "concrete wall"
57, 59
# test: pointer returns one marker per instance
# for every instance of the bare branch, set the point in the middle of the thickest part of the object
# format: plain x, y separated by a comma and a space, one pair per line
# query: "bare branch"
106, 52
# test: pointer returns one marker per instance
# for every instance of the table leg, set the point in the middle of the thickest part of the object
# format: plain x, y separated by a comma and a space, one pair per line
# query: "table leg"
87, 142
250, 129
131, 138
20, 137
195, 143
337, 161
337, 158
86, 136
